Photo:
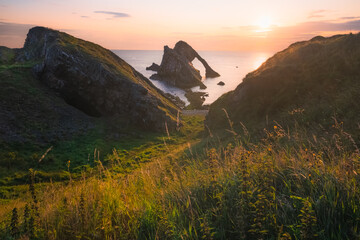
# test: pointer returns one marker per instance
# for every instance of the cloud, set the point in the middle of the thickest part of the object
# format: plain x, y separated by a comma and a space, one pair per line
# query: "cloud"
114, 14
349, 18
317, 14
85, 16
327, 26
306, 28
251, 37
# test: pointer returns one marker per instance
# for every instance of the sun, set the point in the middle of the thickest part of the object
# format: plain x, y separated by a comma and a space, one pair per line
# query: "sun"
264, 24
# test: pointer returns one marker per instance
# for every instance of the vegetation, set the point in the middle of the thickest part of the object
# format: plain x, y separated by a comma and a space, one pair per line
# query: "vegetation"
288, 185
320, 77
293, 174
36, 122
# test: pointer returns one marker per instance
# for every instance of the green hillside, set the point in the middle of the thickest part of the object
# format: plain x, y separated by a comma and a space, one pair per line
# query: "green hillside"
310, 82
71, 96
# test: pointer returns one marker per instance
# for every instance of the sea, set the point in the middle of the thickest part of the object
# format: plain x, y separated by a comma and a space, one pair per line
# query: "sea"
232, 66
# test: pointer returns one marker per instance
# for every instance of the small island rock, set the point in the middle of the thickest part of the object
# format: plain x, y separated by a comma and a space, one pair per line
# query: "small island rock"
154, 67
176, 67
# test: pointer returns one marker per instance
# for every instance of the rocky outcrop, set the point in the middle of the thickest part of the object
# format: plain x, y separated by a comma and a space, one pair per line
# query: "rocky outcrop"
154, 67
95, 80
176, 67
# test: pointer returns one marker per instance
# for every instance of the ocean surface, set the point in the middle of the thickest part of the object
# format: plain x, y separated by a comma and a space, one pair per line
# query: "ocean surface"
232, 66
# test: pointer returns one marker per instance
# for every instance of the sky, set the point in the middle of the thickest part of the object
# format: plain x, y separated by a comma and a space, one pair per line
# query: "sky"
226, 25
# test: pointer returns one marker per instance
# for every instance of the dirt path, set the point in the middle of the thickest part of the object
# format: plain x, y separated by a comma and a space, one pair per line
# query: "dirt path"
195, 112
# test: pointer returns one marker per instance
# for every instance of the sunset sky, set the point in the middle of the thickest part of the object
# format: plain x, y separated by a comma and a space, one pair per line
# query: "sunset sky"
261, 25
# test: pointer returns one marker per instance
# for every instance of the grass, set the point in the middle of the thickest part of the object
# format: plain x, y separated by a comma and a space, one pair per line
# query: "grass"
24, 104
84, 152
286, 186
35, 119
322, 71
293, 178
7, 55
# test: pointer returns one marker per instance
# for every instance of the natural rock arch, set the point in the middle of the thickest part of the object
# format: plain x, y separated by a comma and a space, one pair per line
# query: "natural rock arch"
185, 49
176, 67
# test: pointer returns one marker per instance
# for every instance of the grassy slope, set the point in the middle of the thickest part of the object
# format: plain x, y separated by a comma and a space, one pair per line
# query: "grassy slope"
36, 120
286, 186
324, 71
41, 120
7, 55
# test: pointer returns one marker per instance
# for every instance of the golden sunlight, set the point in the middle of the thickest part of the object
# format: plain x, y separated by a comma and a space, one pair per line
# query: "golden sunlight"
264, 24
259, 60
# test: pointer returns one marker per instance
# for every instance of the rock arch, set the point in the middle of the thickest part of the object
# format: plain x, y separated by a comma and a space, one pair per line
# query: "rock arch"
176, 67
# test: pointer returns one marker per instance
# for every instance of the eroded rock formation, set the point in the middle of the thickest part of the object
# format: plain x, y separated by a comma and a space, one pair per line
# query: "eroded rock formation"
95, 80
176, 67
154, 67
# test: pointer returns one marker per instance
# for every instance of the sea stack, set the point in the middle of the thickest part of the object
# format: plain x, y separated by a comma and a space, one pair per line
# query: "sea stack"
176, 67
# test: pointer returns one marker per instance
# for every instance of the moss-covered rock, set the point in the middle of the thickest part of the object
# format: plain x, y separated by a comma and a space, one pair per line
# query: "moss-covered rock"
95, 80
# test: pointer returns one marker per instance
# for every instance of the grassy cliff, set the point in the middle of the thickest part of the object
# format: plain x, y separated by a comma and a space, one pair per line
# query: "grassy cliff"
310, 82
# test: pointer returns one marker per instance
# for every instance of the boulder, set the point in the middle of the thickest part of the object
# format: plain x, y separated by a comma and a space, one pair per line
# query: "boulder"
221, 83
176, 67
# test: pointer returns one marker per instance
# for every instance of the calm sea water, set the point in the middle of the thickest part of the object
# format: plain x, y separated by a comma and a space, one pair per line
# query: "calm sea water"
232, 66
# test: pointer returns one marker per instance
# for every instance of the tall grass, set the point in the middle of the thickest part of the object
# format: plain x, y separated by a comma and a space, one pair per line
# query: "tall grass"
289, 185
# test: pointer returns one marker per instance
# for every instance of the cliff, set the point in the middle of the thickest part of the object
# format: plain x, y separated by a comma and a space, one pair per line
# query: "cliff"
311, 81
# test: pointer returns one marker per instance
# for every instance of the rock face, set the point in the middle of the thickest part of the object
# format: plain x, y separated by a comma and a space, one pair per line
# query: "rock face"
95, 80
176, 67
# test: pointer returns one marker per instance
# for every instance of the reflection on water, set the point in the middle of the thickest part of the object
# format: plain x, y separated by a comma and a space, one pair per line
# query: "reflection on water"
232, 66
